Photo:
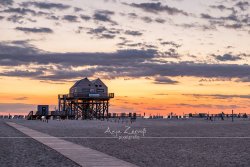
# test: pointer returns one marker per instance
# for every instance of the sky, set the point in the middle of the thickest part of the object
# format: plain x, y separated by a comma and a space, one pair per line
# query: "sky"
157, 56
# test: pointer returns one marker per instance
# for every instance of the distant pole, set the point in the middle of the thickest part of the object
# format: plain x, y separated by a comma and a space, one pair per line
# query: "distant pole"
232, 115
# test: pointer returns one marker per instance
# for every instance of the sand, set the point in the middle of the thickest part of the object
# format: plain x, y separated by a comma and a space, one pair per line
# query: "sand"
20, 152
161, 151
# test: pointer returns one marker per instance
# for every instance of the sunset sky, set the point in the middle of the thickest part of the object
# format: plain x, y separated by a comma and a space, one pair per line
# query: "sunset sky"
157, 56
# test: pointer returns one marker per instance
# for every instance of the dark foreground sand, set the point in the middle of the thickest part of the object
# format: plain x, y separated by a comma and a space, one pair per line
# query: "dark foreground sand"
26, 152
157, 151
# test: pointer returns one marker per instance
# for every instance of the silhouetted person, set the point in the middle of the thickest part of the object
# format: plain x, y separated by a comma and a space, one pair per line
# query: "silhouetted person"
212, 117
222, 116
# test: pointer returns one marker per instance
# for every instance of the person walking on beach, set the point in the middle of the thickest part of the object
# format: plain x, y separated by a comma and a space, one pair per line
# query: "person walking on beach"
210, 117
222, 116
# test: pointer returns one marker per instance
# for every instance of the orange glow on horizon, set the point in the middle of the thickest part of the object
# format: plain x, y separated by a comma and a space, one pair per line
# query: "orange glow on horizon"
135, 95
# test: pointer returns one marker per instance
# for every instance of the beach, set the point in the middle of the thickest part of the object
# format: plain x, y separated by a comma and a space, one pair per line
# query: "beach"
183, 142
20, 151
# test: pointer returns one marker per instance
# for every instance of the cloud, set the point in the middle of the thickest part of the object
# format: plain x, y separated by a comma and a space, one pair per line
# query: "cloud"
206, 16
70, 18
232, 21
16, 19
6, 2
158, 7
222, 8
229, 47
231, 17
208, 106
171, 43
105, 12
227, 57
34, 30
21, 11
194, 69
139, 45
159, 20
197, 25
155, 108
76, 9
161, 94
234, 26
170, 53
214, 79
104, 16
65, 75
19, 19
46, 5
103, 32
146, 19
52, 17
218, 96
133, 33
243, 5
21, 98
22, 73
244, 79
85, 17
164, 80
19, 47
114, 1
133, 63
132, 15
27, 54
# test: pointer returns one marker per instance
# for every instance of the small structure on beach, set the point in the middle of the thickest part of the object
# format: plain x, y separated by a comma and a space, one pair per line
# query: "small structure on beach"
42, 110
86, 100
